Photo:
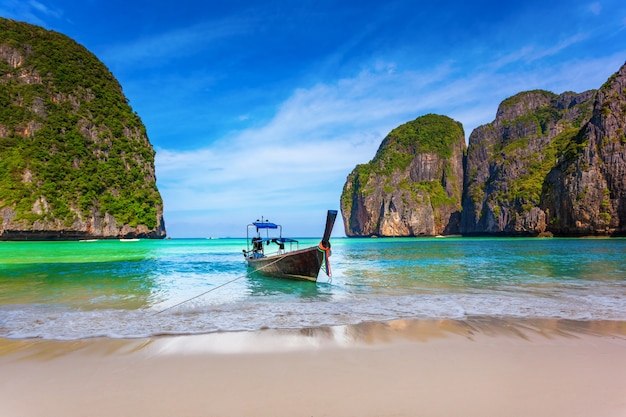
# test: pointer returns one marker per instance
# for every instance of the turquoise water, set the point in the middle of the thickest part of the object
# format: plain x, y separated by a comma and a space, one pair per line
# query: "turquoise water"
73, 290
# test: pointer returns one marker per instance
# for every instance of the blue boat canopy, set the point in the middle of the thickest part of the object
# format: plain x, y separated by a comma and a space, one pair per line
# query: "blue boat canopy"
275, 239
265, 225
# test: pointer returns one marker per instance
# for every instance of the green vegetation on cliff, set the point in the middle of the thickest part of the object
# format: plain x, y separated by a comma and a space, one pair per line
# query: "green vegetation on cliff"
534, 158
417, 169
70, 145
510, 160
430, 133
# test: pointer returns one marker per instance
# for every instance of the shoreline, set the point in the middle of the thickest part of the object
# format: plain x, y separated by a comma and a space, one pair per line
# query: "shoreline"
480, 366
368, 333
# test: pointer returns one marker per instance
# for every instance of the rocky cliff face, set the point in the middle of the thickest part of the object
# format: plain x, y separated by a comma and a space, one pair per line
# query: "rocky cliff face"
508, 160
75, 160
413, 185
548, 164
585, 192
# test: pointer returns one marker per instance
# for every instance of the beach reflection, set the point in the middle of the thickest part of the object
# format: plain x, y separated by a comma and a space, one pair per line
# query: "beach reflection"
372, 334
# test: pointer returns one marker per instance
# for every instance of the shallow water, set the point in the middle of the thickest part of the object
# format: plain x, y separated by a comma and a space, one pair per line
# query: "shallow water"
73, 290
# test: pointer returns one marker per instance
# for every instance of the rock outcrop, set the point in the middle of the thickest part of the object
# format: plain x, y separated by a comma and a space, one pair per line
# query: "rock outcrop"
585, 193
547, 165
75, 160
413, 185
509, 159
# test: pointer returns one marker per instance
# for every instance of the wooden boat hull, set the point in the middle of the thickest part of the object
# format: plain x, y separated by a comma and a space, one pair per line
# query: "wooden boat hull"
303, 264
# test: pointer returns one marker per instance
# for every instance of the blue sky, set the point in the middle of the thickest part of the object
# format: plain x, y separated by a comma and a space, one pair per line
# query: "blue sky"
262, 108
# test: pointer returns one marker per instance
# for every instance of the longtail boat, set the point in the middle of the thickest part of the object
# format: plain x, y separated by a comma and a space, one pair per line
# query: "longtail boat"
292, 263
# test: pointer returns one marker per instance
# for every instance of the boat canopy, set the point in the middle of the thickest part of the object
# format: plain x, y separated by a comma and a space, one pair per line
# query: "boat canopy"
265, 225
275, 239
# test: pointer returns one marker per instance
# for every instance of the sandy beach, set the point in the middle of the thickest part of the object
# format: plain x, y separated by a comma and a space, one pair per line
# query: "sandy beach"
476, 367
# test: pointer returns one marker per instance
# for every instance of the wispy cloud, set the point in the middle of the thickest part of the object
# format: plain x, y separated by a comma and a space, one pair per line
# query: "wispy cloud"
42, 8
28, 11
531, 53
176, 43
595, 8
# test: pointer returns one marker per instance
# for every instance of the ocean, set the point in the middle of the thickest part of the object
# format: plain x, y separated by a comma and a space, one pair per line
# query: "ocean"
114, 289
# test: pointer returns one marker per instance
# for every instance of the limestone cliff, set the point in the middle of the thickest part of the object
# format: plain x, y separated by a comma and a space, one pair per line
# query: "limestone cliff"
413, 185
75, 160
585, 193
550, 165
508, 160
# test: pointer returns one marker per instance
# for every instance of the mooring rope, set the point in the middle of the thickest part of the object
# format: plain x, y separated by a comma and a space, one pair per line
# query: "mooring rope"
218, 287
326, 251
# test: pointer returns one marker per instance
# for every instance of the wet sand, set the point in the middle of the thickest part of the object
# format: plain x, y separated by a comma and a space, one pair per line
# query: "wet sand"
476, 367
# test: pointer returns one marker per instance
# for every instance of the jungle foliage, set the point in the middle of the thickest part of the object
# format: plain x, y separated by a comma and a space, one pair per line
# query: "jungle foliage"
430, 133
534, 162
70, 143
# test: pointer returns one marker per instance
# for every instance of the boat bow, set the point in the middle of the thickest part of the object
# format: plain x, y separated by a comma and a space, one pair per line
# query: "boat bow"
324, 245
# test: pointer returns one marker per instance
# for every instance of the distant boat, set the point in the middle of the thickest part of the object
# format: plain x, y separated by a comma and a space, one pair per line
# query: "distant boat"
298, 264
129, 240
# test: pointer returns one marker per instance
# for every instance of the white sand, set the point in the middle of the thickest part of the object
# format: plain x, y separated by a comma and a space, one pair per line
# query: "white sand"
479, 367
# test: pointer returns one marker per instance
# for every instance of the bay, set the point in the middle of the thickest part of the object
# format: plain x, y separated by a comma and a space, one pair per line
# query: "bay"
75, 290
